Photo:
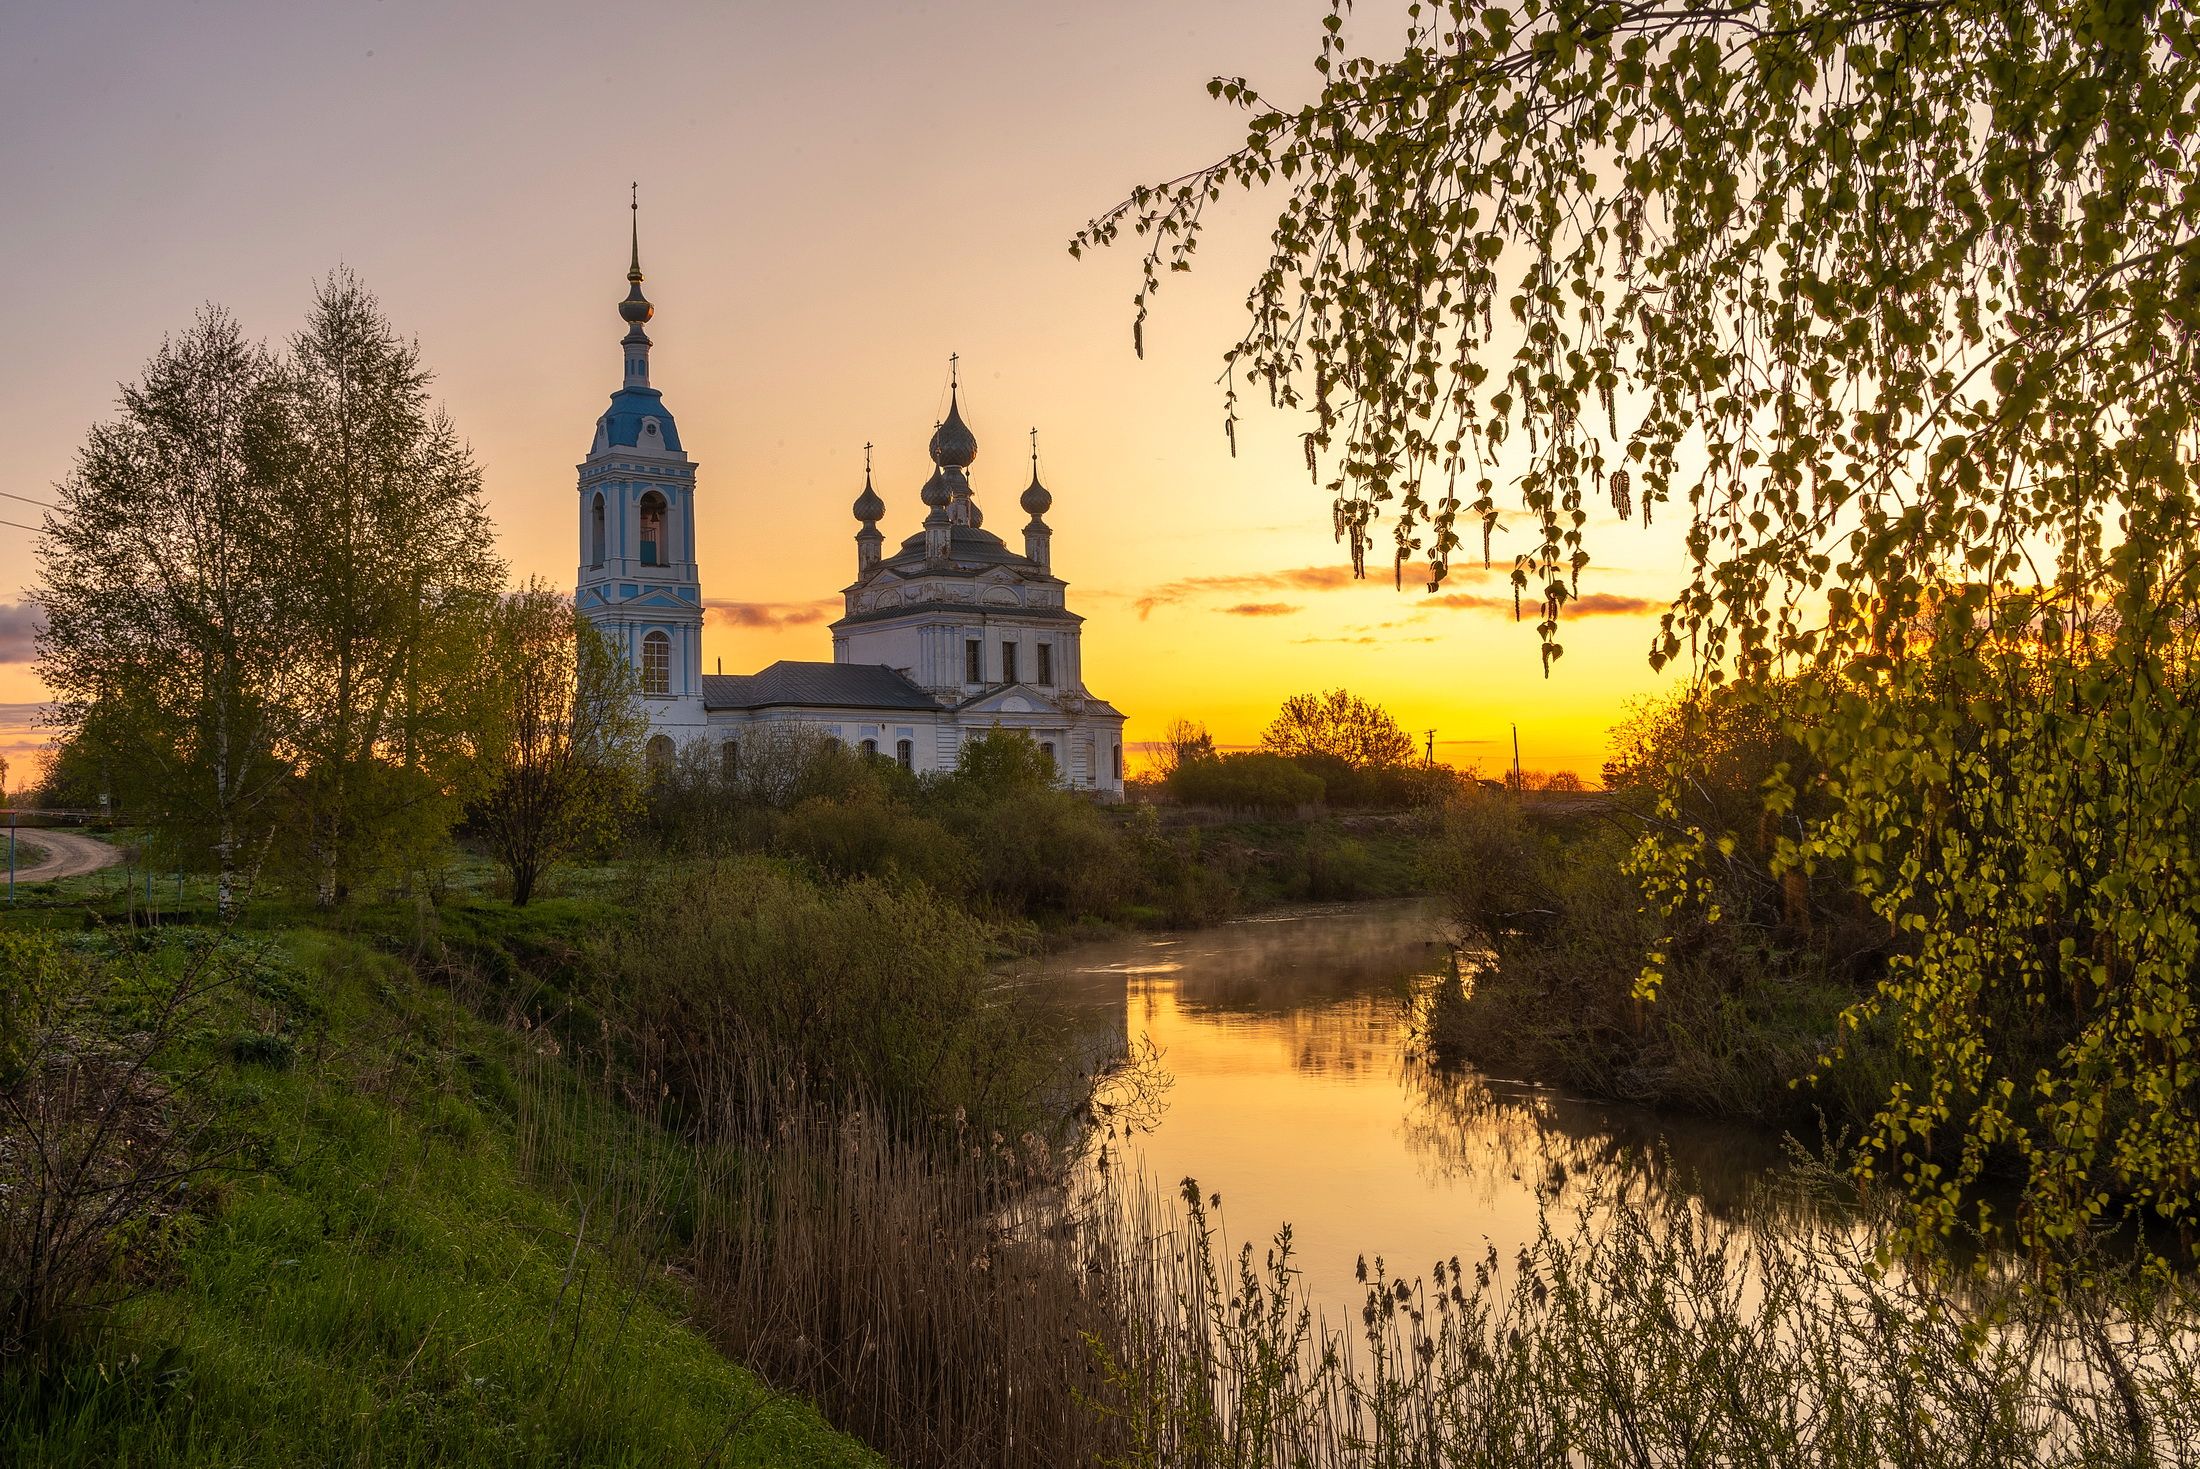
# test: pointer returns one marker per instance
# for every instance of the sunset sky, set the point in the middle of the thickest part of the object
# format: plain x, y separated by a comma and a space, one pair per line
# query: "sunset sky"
834, 198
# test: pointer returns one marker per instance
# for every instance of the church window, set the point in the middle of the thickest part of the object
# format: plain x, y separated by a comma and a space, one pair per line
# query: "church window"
1008, 663
1118, 762
595, 533
656, 664
870, 749
1053, 764
905, 753
659, 752
653, 530
1046, 664
729, 758
973, 661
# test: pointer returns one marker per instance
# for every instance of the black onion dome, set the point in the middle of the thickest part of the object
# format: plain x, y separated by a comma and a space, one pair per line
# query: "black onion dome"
869, 507
636, 308
977, 516
935, 492
1037, 498
953, 444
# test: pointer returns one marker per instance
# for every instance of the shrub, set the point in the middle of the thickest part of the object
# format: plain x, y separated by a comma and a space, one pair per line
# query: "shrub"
1254, 781
1556, 927
1184, 878
93, 1151
1048, 853
1338, 868
870, 837
868, 985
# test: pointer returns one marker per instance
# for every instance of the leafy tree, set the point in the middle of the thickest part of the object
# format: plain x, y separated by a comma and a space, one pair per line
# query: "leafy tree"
1899, 304
1181, 742
561, 750
1002, 762
393, 579
160, 569
1337, 727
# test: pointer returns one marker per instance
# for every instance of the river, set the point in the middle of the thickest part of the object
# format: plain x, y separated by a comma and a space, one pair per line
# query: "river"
1295, 1097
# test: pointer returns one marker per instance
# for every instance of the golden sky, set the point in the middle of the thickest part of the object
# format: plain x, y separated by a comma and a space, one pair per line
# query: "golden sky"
833, 199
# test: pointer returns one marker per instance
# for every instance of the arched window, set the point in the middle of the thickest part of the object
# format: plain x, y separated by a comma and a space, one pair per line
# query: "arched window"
659, 752
595, 533
905, 752
729, 759
870, 749
1118, 762
1047, 748
654, 550
656, 664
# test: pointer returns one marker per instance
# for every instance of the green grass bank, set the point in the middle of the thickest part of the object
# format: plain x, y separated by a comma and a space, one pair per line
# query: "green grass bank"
374, 1270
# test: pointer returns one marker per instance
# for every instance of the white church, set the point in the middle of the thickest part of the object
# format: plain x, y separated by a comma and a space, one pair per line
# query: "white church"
949, 636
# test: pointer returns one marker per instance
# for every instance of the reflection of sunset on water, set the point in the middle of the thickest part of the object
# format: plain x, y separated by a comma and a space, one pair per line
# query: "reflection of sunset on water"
1295, 1098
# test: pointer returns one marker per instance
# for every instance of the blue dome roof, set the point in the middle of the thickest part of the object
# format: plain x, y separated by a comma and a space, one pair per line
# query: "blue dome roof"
622, 421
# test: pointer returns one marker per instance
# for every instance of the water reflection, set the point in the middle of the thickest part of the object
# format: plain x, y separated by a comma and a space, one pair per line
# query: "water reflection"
1294, 1098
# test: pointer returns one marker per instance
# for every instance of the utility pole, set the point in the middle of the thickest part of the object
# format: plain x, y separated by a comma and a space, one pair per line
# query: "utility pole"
1516, 757
1432, 749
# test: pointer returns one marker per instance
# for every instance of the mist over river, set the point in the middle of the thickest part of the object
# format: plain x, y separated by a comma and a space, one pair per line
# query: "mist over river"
1295, 1096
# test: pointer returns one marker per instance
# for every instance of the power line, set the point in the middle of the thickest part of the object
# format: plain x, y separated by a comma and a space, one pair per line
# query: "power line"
19, 525
41, 504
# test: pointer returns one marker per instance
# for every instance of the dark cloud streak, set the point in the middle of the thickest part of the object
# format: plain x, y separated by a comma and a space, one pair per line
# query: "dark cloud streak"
770, 614
20, 625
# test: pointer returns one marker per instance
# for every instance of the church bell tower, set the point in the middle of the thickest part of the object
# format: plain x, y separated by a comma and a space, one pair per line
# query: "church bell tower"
638, 579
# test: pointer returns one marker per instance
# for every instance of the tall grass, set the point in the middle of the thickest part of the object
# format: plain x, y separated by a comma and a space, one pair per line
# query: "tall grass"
981, 1304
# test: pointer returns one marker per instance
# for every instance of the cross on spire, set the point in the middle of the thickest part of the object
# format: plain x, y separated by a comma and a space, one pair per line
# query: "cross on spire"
634, 203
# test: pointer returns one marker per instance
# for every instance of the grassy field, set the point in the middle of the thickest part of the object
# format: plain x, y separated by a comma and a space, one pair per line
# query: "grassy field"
374, 1275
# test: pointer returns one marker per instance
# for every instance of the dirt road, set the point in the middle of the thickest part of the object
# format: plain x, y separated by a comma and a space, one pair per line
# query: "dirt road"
67, 854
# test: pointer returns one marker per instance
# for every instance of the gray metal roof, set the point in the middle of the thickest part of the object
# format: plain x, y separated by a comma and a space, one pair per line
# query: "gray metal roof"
966, 545
788, 684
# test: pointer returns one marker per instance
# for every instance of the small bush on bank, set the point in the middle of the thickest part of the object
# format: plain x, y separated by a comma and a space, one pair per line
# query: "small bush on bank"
1338, 868
1557, 936
866, 984
870, 837
96, 1157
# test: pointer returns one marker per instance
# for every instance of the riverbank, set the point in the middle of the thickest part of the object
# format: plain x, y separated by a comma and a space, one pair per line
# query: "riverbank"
343, 1252
1746, 1017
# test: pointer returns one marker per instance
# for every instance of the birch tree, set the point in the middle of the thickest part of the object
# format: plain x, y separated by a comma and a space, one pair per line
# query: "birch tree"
1895, 309
393, 578
163, 641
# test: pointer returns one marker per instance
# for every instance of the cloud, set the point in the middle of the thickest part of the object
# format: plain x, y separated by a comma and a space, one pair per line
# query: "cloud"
770, 614
23, 740
1610, 604
20, 624
1332, 578
1593, 604
1263, 609
1369, 640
